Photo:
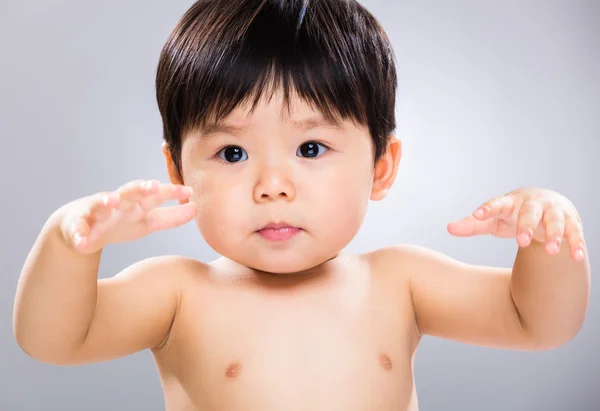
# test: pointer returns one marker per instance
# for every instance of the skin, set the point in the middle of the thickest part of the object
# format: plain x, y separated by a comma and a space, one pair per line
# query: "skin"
297, 324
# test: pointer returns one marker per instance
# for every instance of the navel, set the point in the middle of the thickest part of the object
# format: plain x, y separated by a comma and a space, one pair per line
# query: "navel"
233, 370
385, 361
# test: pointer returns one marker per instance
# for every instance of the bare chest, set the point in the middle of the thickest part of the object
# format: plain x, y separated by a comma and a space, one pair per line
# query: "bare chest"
239, 350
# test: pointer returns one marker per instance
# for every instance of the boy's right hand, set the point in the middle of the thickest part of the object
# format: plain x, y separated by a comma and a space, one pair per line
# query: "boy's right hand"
123, 215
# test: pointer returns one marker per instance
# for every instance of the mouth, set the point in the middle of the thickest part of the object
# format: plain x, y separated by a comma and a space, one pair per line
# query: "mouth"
278, 231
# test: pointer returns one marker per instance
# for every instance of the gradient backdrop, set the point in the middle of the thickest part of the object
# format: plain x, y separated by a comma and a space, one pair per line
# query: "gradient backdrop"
493, 95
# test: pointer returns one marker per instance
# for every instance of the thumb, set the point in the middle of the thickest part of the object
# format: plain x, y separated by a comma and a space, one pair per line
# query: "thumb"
469, 226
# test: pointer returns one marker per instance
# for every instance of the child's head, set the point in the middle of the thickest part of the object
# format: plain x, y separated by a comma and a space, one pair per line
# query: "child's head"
279, 111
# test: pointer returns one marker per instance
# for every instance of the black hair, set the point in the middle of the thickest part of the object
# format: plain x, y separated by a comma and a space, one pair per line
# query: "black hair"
333, 54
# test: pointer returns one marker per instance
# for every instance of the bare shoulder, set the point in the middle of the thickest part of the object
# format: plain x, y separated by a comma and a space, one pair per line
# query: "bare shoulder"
401, 261
408, 260
167, 266
408, 265
171, 274
166, 270
426, 269
395, 266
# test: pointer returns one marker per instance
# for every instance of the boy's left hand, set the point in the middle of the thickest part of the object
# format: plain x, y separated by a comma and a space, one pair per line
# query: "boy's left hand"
529, 214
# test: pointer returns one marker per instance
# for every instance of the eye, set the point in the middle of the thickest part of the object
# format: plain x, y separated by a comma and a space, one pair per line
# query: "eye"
311, 149
233, 154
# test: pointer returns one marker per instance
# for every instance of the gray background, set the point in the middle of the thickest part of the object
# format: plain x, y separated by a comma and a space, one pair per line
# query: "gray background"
493, 95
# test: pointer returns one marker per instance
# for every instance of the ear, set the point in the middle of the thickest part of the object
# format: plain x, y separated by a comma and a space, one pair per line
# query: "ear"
386, 169
174, 176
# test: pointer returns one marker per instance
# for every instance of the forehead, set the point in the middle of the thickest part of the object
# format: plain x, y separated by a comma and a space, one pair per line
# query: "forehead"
298, 114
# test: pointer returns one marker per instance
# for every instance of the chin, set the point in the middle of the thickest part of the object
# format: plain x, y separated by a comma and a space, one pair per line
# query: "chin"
282, 266
292, 263
292, 257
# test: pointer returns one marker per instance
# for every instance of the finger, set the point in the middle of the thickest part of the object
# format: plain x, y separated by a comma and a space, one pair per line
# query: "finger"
100, 209
554, 227
469, 226
529, 217
134, 191
165, 192
77, 233
574, 236
102, 206
81, 233
82, 230
497, 207
164, 218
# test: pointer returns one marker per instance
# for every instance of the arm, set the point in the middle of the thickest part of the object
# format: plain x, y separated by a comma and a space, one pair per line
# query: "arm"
539, 303
551, 293
64, 315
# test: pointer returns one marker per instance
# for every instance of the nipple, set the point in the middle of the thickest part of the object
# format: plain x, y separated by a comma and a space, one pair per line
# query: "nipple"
233, 370
385, 362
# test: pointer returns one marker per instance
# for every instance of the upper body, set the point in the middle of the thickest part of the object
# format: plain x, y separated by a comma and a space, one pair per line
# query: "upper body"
278, 124
342, 336
339, 339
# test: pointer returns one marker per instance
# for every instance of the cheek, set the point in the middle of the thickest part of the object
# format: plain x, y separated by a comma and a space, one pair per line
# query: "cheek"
219, 205
217, 197
344, 196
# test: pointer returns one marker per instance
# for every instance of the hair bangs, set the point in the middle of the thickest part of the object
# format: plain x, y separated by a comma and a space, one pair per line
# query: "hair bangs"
225, 54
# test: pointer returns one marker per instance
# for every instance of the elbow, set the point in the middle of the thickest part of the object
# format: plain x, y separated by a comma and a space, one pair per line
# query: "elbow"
42, 350
567, 333
23, 341
550, 344
555, 339
556, 330
49, 357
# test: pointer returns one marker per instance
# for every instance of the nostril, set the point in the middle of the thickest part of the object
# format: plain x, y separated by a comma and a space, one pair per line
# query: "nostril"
282, 194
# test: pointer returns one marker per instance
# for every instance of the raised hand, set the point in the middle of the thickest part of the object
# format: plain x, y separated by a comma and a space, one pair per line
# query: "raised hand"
527, 214
123, 215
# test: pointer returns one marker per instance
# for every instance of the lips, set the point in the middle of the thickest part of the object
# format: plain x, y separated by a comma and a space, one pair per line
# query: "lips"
278, 231
277, 226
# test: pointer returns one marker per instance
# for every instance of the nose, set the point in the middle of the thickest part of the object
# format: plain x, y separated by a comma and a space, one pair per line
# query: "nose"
274, 184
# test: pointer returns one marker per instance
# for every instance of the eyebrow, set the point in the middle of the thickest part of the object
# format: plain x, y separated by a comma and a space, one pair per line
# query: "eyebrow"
303, 125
